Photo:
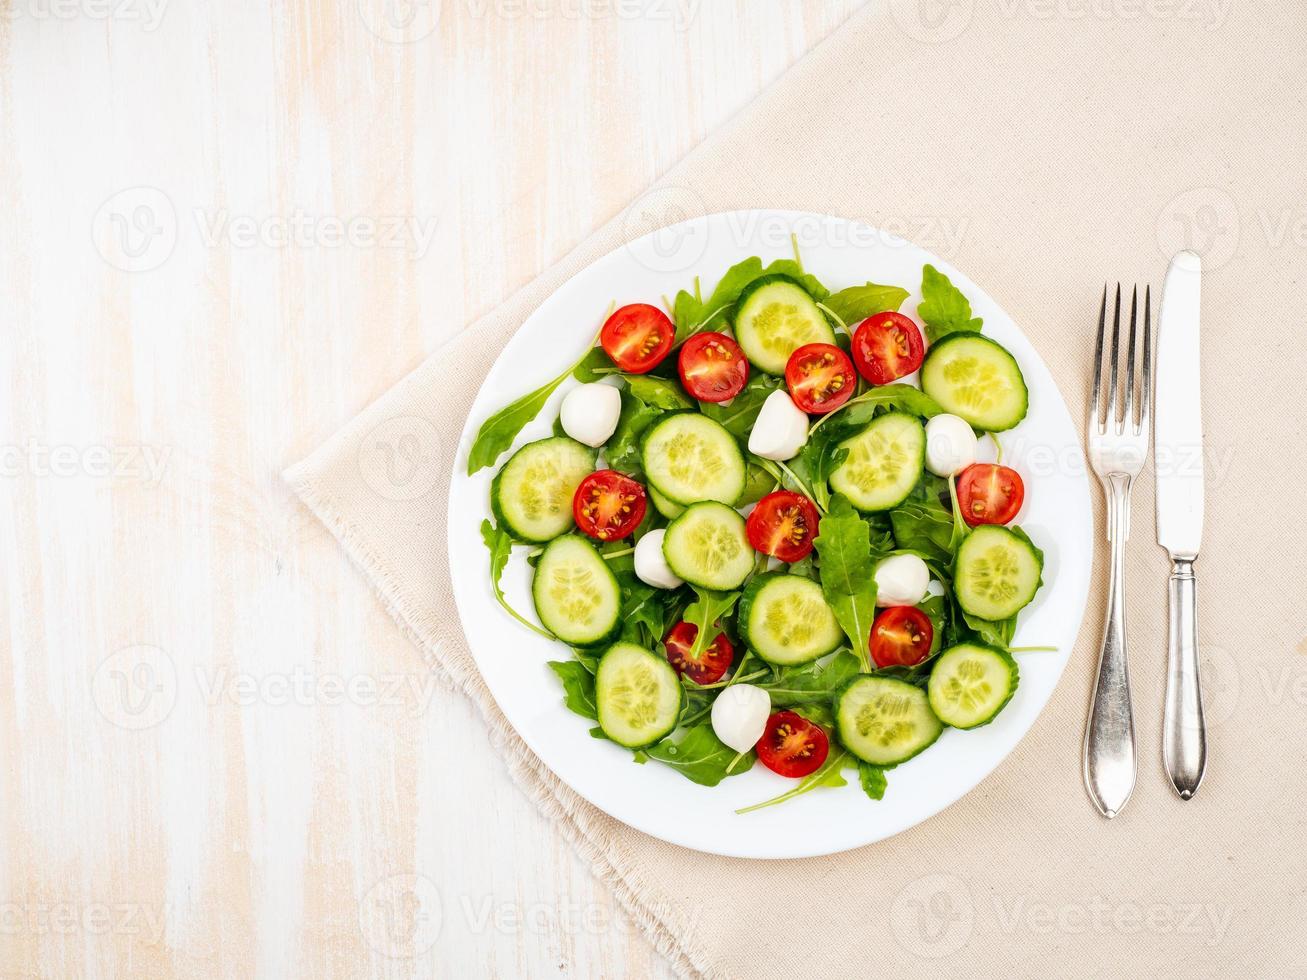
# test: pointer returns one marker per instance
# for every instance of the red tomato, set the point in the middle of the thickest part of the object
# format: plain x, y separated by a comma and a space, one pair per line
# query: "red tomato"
710, 666
713, 368
637, 337
886, 347
608, 505
989, 493
820, 378
901, 637
792, 745
783, 525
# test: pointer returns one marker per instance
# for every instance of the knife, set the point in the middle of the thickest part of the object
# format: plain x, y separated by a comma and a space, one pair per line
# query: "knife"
1178, 437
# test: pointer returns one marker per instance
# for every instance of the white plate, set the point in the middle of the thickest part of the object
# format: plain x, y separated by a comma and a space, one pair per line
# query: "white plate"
1045, 448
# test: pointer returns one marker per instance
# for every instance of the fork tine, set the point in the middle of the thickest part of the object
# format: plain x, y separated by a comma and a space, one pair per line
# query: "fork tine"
1146, 386
1112, 414
1095, 403
1129, 417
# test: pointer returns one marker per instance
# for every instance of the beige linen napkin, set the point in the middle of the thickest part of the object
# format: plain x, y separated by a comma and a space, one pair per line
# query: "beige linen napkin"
1041, 146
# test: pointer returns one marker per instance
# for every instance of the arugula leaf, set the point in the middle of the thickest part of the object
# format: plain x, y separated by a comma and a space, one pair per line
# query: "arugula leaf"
792, 268
595, 366
500, 545
856, 303
872, 779
578, 687
691, 313
943, 308
738, 417
623, 449
705, 613
828, 775
814, 682
658, 392
923, 523
847, 573
699, 756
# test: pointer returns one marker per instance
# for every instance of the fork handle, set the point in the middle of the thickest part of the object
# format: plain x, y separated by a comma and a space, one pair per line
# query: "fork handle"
1109, 751
1184, 733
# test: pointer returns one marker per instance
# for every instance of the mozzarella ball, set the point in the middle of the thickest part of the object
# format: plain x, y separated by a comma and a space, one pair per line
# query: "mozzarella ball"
590, 413
651, 566
950, 445
739, 715
781, 429
901, 580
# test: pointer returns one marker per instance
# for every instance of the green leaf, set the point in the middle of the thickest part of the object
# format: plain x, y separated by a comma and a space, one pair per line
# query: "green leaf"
814, 682
500, 546
828, 775
692, 314
872, 779
856, 303
623, 448
658, 392
595, 366
789, 267
923, 523
705, 613
847, 572
943, 308
578, 687
739, 416
699, 756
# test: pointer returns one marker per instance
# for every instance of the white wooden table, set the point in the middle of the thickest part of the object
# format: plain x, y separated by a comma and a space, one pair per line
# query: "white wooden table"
224, 230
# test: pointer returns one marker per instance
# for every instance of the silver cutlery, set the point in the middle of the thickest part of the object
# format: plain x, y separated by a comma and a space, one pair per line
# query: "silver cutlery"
1178, 434
1118, 445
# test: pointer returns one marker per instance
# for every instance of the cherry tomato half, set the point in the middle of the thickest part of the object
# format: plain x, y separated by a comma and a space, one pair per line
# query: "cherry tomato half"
783, 525
609, 505
887, 346
709, 666
901, 637
792, 746
713, 368
820, 378
989, 493
637, 337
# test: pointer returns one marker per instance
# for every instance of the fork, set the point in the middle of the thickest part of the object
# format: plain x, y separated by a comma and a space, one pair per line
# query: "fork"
1118, 446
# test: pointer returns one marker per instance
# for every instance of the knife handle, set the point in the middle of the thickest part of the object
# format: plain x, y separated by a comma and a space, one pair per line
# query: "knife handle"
1184, 733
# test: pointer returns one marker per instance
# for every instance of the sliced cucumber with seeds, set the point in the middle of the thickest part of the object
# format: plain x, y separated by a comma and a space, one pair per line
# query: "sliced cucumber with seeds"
885, 721
884, 463
576, 595
688, 457
638, 695
785, 619
707, 546
976, 380
664, 506
970, 684
996, 573
773, 318
531, 497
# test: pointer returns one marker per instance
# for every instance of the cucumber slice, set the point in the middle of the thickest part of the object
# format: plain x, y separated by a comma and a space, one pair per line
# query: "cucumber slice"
774, 317
688, 457
531, 496
970, 684
996, 573
885, 721
638, 695
785, 620
884, 463
707, 546
976, 380
664, 506
576, 594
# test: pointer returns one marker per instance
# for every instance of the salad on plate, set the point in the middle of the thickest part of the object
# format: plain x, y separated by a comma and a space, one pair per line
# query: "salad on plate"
761, 541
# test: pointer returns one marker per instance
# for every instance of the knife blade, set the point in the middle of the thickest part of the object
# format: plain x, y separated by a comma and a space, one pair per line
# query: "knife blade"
1177, 412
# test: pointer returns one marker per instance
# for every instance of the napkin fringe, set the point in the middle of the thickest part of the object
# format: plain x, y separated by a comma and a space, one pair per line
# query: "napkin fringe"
564, 809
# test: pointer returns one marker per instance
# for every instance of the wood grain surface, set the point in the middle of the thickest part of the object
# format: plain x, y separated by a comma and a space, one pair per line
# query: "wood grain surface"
225, 228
